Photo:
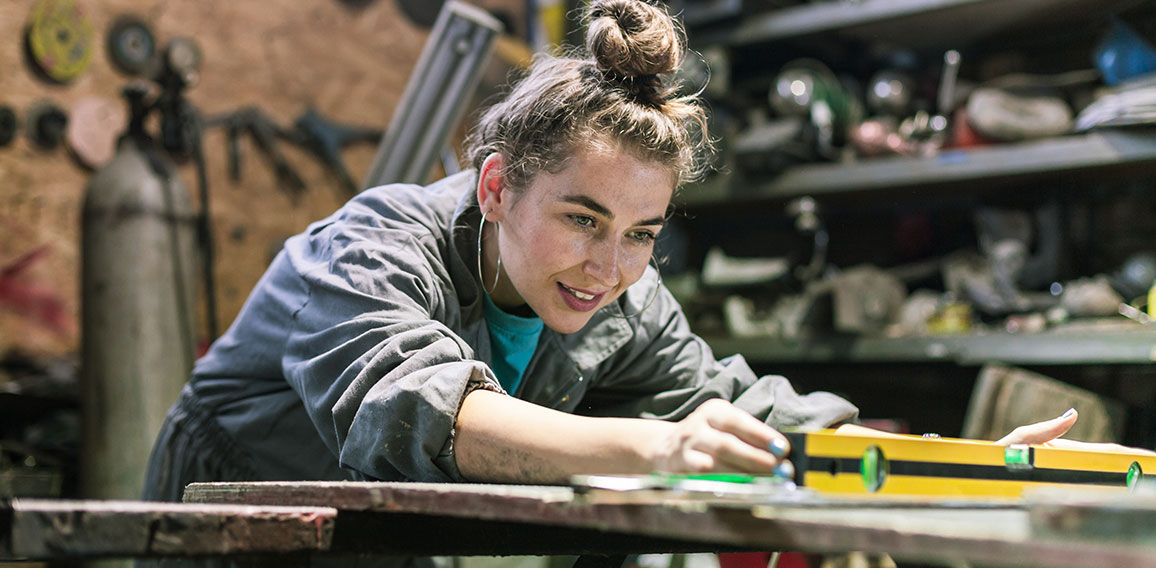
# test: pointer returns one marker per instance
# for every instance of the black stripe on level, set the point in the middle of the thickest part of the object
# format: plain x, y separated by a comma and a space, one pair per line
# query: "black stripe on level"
833, 466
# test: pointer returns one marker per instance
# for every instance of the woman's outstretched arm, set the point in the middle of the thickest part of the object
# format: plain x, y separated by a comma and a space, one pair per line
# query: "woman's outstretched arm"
504, 439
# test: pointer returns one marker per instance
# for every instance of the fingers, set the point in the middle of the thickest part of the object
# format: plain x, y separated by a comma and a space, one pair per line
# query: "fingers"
739, 442
732, 454
1049, 432
1042, 432
749, 429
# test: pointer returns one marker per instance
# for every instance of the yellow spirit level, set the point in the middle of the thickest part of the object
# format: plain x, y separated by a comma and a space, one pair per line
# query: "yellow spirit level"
913, 465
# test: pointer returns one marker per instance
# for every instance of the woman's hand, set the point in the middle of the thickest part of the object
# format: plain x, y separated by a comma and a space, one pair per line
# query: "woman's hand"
1041, 432
1048, 433
719, 437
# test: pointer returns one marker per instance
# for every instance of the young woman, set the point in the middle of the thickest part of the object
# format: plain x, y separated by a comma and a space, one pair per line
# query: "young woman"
503, 324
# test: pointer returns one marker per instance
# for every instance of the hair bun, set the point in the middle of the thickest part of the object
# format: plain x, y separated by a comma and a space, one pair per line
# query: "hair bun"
632, 39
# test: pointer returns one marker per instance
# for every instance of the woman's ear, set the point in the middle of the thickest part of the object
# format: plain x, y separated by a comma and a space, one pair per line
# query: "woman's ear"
491, 186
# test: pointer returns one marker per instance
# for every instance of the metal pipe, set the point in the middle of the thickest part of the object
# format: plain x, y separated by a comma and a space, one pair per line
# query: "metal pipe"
435, 96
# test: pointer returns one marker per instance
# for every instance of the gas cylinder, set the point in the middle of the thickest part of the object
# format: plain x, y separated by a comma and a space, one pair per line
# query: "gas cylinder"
139, 271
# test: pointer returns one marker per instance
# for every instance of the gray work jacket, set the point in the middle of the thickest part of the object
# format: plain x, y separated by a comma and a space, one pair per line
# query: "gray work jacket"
351, 356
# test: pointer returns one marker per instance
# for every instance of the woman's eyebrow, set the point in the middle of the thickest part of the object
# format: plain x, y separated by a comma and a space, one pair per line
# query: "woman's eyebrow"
601, 209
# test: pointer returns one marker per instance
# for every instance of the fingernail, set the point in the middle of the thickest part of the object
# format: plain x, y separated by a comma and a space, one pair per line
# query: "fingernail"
778, 447
785, 470
1070, 412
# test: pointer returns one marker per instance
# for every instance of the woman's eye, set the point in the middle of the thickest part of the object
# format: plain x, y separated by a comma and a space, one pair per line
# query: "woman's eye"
582, 220
643, 237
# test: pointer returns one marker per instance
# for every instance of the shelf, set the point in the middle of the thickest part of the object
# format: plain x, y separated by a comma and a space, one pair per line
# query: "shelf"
1049, 348
1050, 157
905, 23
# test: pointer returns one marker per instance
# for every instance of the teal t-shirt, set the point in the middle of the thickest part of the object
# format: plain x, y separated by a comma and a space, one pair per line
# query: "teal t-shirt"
513, 340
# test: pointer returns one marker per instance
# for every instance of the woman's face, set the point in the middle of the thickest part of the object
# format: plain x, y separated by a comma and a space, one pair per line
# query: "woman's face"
573, 241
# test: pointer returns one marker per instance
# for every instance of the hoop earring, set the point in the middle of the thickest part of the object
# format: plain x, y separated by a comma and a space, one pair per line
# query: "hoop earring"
657, 285
498, 271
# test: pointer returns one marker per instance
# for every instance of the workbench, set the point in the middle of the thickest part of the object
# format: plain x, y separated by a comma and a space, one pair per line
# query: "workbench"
1054, 529
1073, 528
61, 529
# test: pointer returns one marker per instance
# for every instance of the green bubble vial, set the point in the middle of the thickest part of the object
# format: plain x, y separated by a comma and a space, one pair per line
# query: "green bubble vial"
1134, 475
873, 469
1018, 456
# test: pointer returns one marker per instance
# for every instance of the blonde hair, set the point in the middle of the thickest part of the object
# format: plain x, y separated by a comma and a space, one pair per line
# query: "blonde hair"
614, 94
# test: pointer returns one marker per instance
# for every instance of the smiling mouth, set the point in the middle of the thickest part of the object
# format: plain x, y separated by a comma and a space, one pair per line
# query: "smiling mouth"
580, 295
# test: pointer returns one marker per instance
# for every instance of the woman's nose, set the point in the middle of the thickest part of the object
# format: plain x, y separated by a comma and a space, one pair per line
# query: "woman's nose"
603, 264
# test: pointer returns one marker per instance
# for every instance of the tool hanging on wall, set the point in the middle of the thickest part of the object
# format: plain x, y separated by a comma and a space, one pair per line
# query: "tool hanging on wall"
265, 133
46, 124
311, 131
8, 125
58, 40
94, 125
326, 138
131, 46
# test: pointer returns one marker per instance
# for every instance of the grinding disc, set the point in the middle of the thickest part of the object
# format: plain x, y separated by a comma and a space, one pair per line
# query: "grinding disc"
94, 125
7, 125
131, 45
46, 124
59, 39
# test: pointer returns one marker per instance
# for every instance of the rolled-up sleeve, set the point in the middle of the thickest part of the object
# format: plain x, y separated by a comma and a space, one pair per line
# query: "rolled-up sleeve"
380, 377
666, 371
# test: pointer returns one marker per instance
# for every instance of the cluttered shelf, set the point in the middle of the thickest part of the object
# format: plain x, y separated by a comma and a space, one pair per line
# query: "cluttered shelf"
906, 23
1055, 347
1091, 152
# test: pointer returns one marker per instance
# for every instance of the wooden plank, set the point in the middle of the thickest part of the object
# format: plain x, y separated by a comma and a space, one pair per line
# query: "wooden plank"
1090, 516
56, 529
460, 519
993, 534
432, 498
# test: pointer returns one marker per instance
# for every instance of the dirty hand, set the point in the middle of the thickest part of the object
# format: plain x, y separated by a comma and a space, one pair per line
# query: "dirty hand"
719, 437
